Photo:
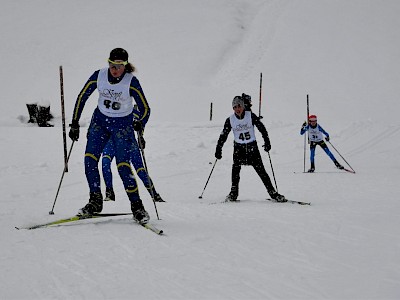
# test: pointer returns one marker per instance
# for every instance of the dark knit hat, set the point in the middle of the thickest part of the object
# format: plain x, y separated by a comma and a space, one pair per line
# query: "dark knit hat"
237, 101
118, 54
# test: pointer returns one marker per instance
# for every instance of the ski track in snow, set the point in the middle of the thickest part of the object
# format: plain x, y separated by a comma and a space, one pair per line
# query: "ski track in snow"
255, 248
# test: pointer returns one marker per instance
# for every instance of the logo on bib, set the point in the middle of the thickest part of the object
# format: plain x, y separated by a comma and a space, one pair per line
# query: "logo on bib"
111, 94
242, 127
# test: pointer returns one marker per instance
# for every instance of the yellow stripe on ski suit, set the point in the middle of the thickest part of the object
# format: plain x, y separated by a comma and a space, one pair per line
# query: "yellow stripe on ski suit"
125, 164
80, 98
146, 107
92, 156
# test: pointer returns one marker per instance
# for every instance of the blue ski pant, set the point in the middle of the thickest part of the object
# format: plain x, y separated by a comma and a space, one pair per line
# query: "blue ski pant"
120, 132
136, 160
323, 145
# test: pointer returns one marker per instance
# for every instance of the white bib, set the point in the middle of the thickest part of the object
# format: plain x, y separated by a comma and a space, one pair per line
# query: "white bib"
114, 99
243, 130
314, 134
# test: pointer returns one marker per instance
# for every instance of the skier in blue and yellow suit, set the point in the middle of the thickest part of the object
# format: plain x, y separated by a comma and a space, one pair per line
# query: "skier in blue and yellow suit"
112, 119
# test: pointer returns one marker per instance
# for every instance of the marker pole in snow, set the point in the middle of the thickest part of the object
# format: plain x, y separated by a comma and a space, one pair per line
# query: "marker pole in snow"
259, 104
63, 118
62, 177
305, 135
201, 196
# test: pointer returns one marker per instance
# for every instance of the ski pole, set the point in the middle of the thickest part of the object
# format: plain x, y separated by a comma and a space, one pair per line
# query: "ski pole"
201, 196
304, 155
147, 172
273, 173
62, 177
341, 156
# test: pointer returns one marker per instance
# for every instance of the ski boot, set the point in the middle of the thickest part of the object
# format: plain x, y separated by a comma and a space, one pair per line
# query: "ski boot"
311, 169
140, 215
94, 206
110, 196
277, 197
232, 196
339, 166
157, 198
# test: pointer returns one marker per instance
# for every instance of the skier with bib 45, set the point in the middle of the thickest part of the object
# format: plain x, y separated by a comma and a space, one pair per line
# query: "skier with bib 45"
315, 136
245, 149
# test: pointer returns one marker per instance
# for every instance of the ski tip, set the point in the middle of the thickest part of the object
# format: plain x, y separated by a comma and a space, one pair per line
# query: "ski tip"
290, 201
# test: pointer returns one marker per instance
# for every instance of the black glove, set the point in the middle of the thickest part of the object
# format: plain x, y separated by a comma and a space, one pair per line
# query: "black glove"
74, 131
304, 126
327, 138
218, 153
142, 142
137, 125
267, 146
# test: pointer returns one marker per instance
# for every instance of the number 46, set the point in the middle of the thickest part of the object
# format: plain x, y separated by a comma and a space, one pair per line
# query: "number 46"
113, 105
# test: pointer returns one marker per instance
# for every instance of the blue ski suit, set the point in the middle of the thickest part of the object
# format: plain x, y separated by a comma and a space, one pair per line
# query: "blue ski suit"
316, 138
117, 129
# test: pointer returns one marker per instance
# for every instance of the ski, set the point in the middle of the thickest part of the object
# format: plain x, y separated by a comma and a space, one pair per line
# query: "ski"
350, 171
319, 172
224, 202
152, 228
72, 219
325, 172
291, 201
79, 217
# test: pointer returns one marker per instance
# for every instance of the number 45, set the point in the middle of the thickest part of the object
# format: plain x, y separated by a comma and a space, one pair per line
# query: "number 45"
244, 136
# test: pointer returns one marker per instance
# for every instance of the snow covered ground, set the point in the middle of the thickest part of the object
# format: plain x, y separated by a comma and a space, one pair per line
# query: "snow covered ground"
344, 54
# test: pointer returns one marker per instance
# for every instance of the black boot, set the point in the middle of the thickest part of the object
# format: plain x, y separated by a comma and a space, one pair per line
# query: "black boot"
339, 166
312, 168
110, 196
33, 113
233, 195
140, 215
43, 116
157, 198
276, 196
94, 206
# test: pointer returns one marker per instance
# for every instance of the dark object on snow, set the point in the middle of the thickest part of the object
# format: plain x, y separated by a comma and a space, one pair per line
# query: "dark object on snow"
33, 111
40, 115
